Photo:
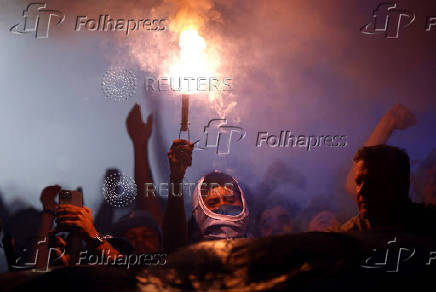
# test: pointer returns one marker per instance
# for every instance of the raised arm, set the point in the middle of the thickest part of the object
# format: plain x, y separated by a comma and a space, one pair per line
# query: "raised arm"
140, 134
49, 205
398, 117
175, 230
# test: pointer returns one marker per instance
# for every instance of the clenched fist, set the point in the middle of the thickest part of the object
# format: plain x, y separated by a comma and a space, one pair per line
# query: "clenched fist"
180, 158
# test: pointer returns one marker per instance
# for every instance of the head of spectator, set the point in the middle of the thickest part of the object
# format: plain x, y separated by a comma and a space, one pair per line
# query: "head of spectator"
277, 216
382, 181
322, 221
23, 227
425, 180
219, 207
141, 230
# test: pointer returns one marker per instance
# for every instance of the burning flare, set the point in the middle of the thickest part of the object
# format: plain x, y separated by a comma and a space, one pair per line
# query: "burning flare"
197, 60
193, 62
191, 53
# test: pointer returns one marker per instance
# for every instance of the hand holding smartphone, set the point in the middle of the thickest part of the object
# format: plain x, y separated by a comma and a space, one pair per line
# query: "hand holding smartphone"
74, 198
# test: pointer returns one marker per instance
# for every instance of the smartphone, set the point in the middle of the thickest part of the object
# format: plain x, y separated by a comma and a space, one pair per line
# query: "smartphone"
75, 245
74, 198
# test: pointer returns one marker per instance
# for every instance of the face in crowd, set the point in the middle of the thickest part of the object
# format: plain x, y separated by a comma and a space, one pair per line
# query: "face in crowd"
382, 181
322, 221
144, 239
223, 200
374, 195
274, 221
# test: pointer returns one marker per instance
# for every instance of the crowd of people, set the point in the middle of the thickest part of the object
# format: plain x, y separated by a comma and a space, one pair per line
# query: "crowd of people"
222, 208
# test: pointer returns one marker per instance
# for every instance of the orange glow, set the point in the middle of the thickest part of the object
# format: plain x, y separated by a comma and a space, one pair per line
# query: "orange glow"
191, 52
193, 61
198, 59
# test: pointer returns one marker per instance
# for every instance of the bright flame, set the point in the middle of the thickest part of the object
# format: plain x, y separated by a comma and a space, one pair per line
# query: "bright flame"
197, 60
193, 62
191, 52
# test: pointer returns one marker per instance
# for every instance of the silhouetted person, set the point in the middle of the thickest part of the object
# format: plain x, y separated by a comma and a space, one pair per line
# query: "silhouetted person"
401, 118
277, 216
425, 180
382, 181
174, 224
142, 227
397, 118
21, 229
141, 230
140, 134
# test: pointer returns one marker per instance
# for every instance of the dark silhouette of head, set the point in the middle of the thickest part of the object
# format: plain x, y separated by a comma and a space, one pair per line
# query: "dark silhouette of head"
141, 230
382, 180
23, 227
425, 179
276, 216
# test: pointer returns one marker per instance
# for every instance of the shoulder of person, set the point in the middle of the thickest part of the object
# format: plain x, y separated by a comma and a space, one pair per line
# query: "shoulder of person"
351, 224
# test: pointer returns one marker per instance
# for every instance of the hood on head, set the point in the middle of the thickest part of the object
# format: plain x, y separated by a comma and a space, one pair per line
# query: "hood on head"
217, 226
